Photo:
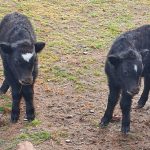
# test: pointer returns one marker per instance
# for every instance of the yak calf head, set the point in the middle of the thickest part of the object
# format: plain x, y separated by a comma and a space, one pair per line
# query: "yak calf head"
22, 58
128, 70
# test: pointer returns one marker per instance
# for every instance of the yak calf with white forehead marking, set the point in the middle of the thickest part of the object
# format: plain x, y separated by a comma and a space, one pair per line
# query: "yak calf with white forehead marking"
127, 61
19, 50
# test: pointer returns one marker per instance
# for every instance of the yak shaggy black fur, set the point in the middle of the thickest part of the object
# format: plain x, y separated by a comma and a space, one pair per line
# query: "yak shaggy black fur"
19, 48
127, 61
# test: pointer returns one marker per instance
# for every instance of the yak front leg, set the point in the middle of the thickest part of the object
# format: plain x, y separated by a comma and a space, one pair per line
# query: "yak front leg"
125, 104
28, 94
112, 101
16, 96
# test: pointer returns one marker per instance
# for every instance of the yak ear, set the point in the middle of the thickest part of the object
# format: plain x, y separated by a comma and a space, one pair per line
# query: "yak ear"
6, 48
144, 52
39, 46
114, 60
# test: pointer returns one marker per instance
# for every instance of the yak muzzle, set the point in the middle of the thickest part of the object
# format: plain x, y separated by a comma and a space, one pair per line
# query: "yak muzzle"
26, 81
134, 91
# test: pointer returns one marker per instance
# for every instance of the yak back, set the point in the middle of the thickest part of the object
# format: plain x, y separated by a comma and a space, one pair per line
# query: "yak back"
136, 39
15, 27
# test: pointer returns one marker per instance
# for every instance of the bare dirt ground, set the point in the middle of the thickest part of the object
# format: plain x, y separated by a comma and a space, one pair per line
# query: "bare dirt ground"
71, 90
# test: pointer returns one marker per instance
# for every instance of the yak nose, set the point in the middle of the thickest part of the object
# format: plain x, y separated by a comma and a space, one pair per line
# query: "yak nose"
27, 81
134, 91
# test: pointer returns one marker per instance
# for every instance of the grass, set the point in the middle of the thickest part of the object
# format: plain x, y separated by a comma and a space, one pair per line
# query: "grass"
34, 123
1, 109
70, 28
5, 107
5, 97
63, 32
34, 137
62, 73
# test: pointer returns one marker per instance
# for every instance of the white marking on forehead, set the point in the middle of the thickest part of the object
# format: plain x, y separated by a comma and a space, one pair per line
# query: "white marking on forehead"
135, 68
27, 56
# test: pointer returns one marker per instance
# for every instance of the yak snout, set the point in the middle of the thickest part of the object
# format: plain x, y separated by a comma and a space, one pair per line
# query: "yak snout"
26, 81
134, 91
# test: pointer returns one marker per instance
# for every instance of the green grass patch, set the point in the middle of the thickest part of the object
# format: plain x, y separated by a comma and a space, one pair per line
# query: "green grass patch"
62, 73
35, 137
6, 107
5, 97
80, 87
98, 1
34, 123
94, 14
1, 109
97, 73
114, 29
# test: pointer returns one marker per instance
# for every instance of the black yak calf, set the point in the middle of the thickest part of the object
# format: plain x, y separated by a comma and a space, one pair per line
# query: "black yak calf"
127, 61
18, 48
